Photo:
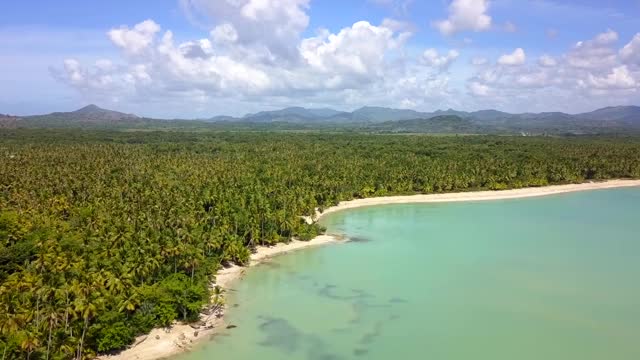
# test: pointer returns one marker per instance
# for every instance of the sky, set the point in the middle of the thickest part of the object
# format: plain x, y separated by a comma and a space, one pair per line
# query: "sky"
200, 58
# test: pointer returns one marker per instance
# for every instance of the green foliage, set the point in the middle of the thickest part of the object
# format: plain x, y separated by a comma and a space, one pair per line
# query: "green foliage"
111, 332
187, 297
105, 235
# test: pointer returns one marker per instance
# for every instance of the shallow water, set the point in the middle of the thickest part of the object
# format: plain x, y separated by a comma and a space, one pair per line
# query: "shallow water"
545, 278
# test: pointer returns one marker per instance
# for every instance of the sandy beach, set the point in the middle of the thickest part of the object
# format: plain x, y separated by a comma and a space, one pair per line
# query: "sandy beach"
162, 343
478, 195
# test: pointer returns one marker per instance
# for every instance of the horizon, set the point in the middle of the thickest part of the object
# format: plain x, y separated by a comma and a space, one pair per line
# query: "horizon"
194, 58
98, 107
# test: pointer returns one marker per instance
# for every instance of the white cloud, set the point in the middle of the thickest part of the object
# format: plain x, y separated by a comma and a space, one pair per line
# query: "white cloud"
478, 89
465, 15
592, 73
594, 53
630, 53
606, 38
432, 58
398, 25
619, 78
547, 61
518, 57
270, 28
408, 104
247, 60
135, 40
356, 59
355, 53
224, 34
104, 64
74, 71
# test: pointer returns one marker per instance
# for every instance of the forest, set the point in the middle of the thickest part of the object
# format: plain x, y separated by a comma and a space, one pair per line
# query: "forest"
105, 235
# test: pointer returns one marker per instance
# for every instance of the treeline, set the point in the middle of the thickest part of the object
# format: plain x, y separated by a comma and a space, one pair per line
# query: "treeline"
105, 235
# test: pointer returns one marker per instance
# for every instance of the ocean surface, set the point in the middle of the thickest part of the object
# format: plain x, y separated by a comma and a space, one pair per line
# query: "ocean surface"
542, 278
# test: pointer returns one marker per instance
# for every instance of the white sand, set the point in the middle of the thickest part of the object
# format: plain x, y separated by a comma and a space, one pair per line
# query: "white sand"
162, 343
478, 195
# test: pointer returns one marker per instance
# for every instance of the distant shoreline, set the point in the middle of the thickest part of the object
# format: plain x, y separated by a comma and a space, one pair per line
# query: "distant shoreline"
487, 195
161, 343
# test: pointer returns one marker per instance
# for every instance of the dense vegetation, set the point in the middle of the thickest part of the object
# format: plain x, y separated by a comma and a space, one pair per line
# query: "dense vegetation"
104, 235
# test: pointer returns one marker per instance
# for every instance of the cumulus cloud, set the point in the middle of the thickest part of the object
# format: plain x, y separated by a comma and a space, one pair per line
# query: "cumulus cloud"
518, 57
224, 34
592, 71
619, 78
357, 59
135, 40
594, 53
465, 15
479, 89
358, 50
630, 53
269, 27
547, 61
257, 52
432, 58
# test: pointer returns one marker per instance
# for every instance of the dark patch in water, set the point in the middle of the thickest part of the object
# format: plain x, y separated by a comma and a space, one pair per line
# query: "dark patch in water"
271, 264
357, 239
318, 350
360, 352
369, 337
231, 326
280, 334
328, 291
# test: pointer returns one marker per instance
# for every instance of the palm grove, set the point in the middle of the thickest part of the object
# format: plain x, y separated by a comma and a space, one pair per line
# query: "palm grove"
106, 235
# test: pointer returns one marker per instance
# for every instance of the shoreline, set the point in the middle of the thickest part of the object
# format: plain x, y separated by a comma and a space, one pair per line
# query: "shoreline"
163, 343
471, 196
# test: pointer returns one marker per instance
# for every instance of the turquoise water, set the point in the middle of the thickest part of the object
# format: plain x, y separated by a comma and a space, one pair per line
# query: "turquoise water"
546, 278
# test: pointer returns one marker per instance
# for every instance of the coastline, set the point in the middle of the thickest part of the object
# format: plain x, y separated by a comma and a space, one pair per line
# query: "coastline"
485, 195
163, 343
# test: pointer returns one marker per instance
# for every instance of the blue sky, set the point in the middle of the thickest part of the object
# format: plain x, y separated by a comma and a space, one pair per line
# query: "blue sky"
199, 58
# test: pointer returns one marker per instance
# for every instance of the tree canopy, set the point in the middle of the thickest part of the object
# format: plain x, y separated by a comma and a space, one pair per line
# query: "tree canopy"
105, 235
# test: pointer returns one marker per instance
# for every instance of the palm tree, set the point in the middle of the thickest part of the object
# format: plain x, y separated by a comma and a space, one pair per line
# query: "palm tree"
29, 343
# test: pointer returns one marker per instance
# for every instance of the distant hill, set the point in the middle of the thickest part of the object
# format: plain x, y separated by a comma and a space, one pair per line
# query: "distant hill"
288, 115
624, 114
90, 114
447, 124
619, 119
381, 114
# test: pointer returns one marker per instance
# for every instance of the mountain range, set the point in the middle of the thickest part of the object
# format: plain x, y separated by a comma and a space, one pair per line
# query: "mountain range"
369, 114
609, 119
